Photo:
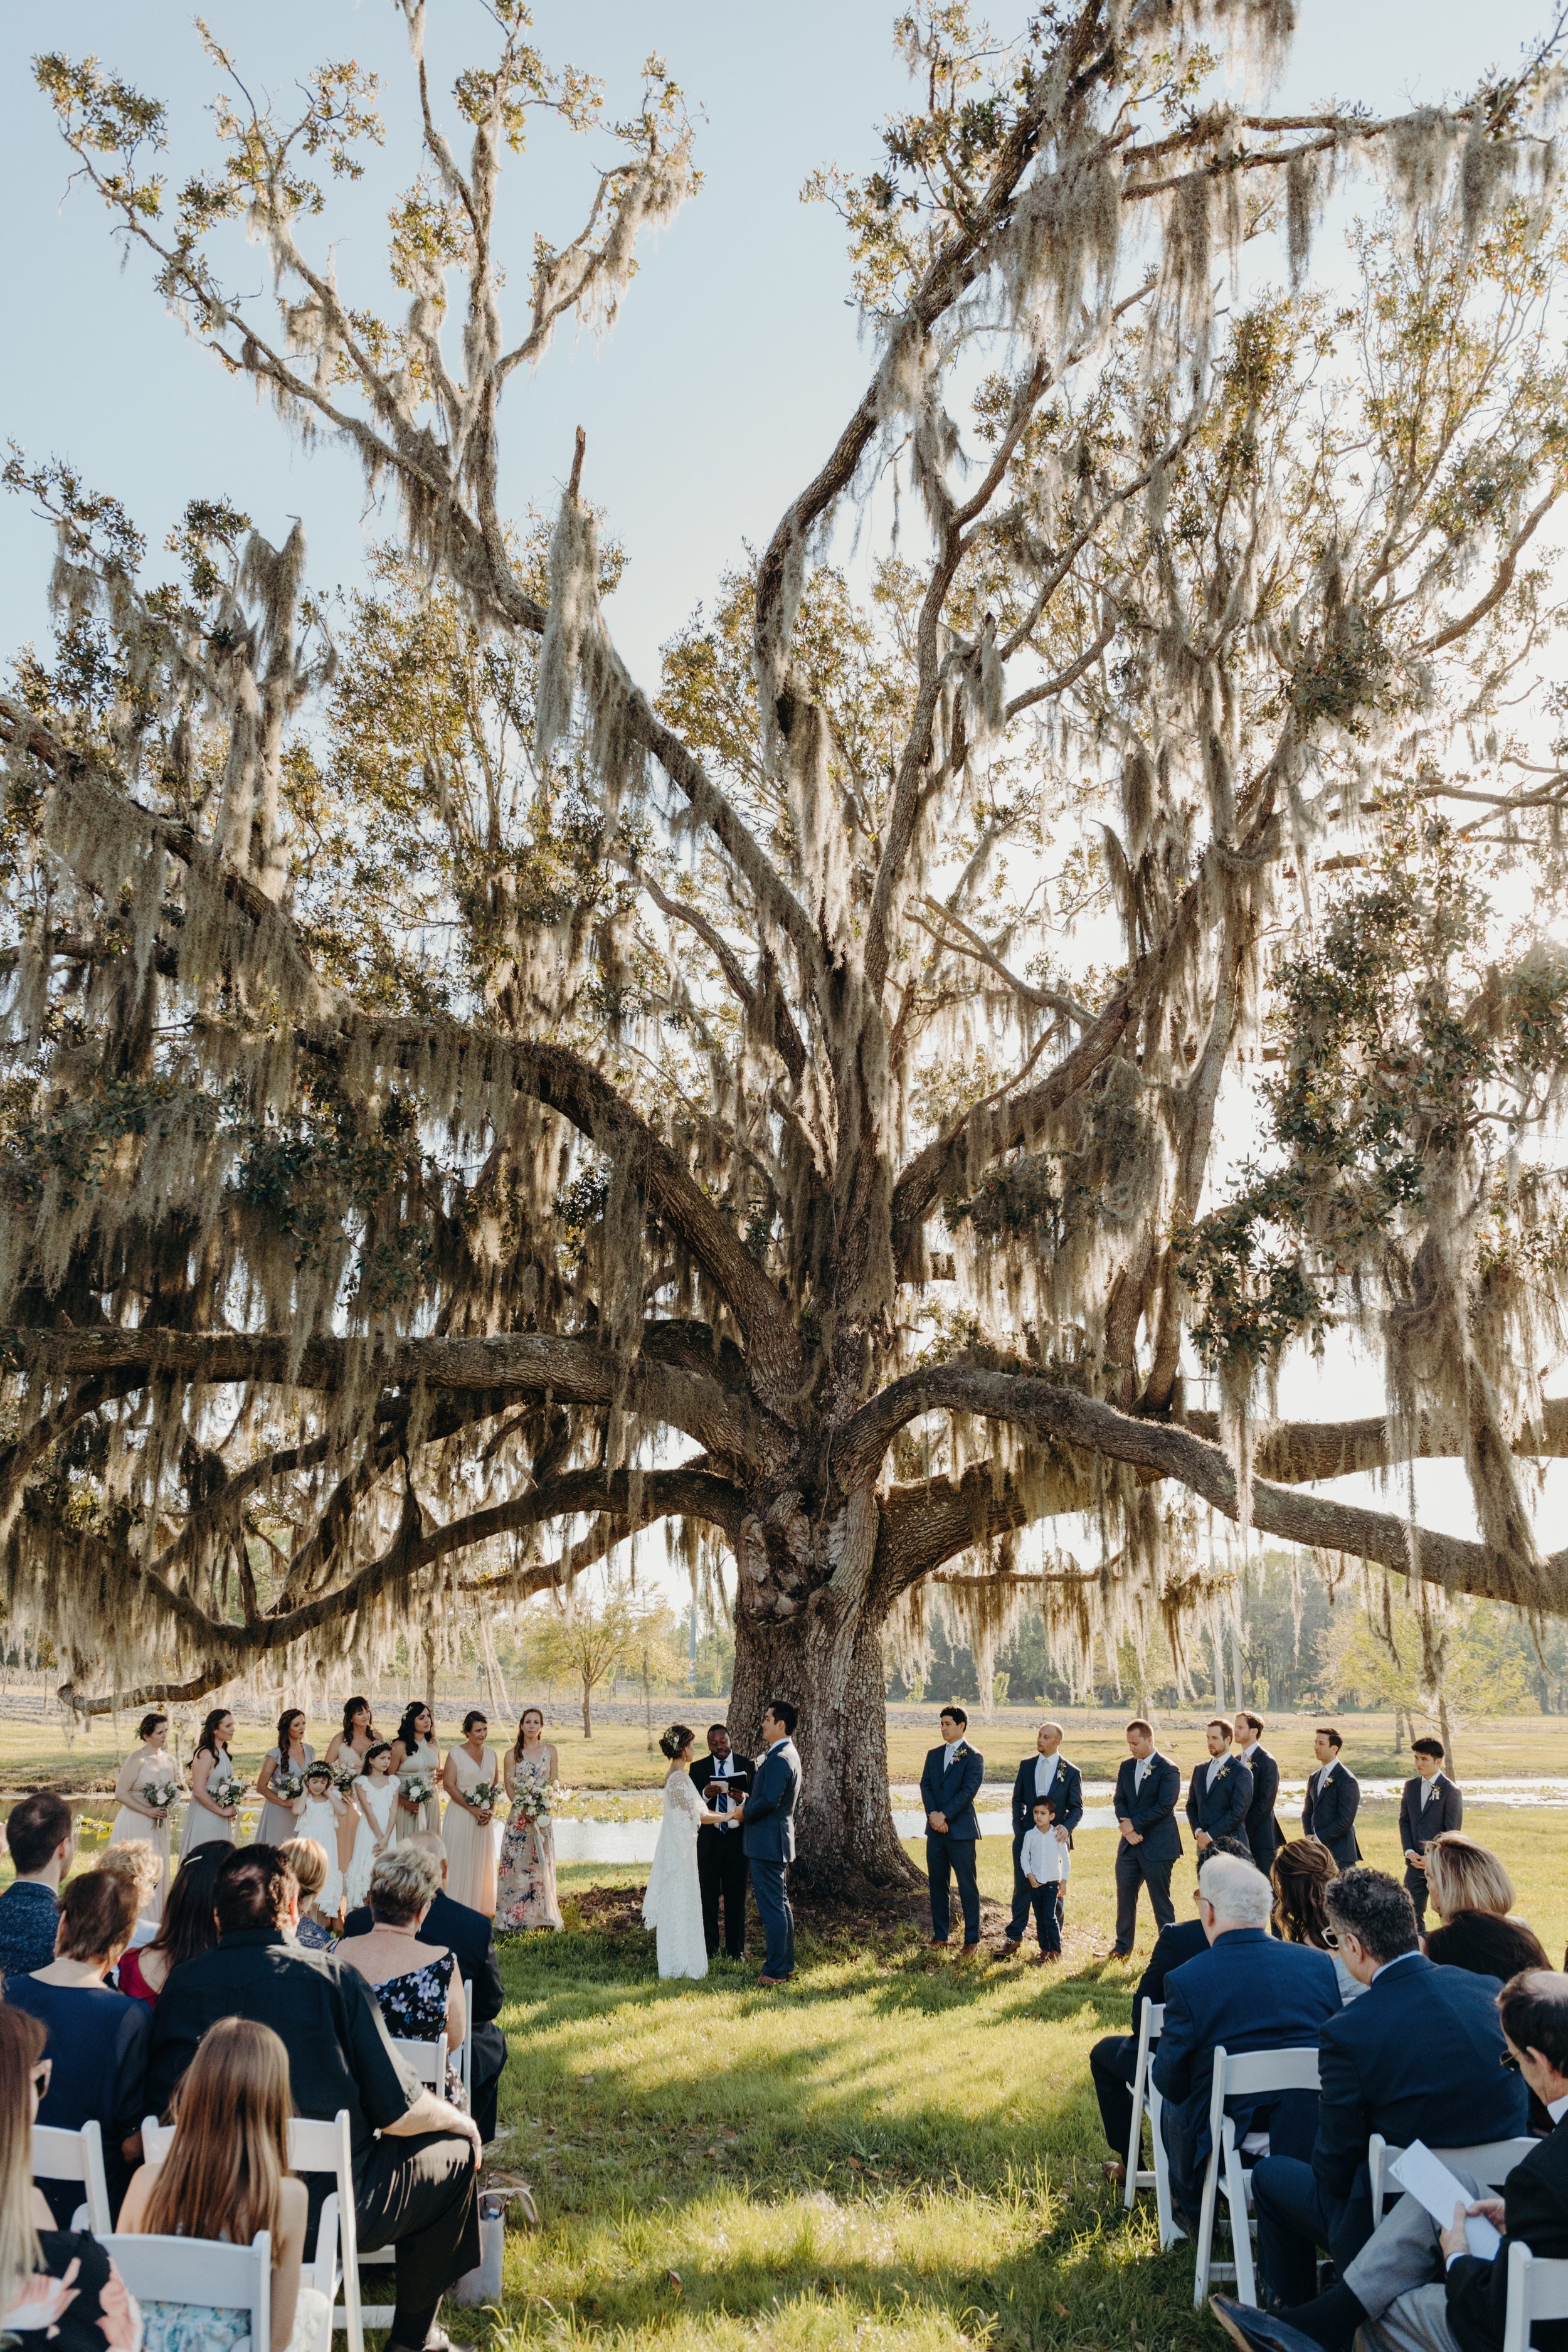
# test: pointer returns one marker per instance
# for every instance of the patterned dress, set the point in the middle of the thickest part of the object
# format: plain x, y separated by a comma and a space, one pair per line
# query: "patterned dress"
414, 2009
525, 1894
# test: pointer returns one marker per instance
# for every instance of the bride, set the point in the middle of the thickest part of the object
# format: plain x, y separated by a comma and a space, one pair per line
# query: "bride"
672, 1907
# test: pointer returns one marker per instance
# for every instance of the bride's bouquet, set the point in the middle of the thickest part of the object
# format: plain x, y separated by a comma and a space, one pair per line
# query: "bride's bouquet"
418, 1788
482, 1796
160, 1794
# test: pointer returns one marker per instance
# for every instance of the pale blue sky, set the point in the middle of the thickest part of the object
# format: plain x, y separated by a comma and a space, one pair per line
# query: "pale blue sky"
736, 357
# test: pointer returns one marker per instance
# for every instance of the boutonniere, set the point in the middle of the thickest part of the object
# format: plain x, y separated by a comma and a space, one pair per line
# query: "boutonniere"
1223, 1771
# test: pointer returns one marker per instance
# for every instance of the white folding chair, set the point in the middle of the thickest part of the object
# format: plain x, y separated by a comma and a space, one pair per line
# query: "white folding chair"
1250, 2074
200, 2269
1150, 2023
59, 2154
1537, 2289
1490, 2160
428, 2060
1165, 2212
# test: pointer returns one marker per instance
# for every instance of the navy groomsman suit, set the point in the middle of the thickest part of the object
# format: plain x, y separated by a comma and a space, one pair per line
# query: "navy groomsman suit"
1149, 1804
1218, 1796
1416, 2057
1332, 1801
949, 1787
767, 1839
1040, 1776
1261, 1831
1427, 1809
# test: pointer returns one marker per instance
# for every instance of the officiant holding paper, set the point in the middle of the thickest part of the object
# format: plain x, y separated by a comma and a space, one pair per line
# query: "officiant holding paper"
724, 1781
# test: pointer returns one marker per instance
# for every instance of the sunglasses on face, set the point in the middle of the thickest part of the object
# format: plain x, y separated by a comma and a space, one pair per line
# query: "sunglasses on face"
1330, 1939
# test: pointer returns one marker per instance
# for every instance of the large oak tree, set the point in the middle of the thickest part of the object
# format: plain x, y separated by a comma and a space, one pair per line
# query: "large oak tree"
456, 1092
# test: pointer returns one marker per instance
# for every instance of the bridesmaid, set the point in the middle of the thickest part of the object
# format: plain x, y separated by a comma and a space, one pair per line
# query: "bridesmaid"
416, 1755
469, 1834
136, 1818
292, 1753
346, 1751
525, 1894
209, 1817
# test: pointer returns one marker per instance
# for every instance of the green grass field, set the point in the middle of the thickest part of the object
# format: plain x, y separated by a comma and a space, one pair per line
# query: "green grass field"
901, 2151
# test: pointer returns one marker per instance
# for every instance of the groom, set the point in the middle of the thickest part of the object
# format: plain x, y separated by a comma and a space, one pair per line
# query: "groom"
767, 1836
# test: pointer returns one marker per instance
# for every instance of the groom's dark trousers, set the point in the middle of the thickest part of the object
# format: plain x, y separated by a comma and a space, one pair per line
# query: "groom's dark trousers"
769, 1838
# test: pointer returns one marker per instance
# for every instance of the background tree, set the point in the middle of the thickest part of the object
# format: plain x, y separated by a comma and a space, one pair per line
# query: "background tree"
587, 1642
563, 1105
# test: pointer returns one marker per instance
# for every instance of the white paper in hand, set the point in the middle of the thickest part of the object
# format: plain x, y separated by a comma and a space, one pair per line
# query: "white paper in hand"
1429, 2180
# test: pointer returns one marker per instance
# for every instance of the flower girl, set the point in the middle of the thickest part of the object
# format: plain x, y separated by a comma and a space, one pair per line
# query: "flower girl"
376, 1792
319, 1808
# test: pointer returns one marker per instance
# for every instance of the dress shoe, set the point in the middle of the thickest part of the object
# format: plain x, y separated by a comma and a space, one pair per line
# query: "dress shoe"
969, 1950
1047, 1959
939, 1942
1259, 2331
1005, 1951
1115, 2171
773, 1980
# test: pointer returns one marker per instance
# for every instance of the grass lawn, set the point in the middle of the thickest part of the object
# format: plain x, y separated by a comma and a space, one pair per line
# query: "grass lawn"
901, 2151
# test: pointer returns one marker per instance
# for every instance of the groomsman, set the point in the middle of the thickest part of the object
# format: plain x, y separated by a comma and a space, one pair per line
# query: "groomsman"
721, 1778
1147, 1789
1431, 1804
949, 1786
1220, 1791
1261, 1831
1333, 1800
1045, 1773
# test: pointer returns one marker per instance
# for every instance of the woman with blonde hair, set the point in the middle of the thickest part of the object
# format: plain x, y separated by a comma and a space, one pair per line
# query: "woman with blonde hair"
56, 2286
1303, 1870
226, 2177
1463, 1875
307, 1858
137, 1861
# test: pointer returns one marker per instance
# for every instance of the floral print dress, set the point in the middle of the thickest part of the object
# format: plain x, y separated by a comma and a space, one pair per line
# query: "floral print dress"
414, 2009
525, 1895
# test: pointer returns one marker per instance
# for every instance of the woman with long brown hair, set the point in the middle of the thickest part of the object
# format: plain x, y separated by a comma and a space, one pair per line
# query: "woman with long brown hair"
226, 2176
187, 1928
1303, 1870
56, 2286
214, 1791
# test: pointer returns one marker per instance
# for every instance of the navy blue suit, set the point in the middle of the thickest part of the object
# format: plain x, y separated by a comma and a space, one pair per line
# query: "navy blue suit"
1067, 1790
1420, 1823
1416, 2057
1248, 1991
951, 1790
1221, 1810
1151, 1811
767, 1838
1261, 1831
1329, 1810
1113, 2061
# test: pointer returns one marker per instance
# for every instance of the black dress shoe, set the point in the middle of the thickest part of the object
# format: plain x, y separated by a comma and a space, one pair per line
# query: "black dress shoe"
1259, 2331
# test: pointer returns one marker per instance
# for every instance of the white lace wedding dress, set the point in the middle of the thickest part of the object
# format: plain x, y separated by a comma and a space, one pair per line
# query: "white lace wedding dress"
672, 1907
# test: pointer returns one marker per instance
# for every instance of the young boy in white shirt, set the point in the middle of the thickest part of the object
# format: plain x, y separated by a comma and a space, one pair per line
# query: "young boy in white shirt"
1043, 1860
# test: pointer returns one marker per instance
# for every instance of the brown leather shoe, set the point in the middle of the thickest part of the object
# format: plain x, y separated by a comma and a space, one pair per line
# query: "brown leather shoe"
969, 1950
939, 1942
1005, 1949
1115, 2171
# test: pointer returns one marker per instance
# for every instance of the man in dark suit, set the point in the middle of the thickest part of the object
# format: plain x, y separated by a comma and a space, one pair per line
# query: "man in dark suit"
1219, 1791
1248, 1991
1045, 1773
1417, 2058
468, 1934
767, 1834
1332, 1800
1431, 1804
949, 1786
1263, 1833
1113, 2061
721, 1778
1147, 1787
1417, 2287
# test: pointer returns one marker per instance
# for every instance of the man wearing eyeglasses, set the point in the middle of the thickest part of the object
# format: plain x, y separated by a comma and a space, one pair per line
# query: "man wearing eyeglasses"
1416, 2059
1414, 2287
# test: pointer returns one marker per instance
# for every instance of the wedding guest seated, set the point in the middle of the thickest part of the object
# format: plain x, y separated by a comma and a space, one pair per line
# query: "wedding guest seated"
416, 1977
1486, 1945
97, 2039
1418, 2059
471, 1935
226, 2177
1415, 2286
1462, 1875
1113, 2061
41, 1838
1303, 1868
139, 1862
415, 2158
1248, 1991
307, 1858
58, 2287
186, 1928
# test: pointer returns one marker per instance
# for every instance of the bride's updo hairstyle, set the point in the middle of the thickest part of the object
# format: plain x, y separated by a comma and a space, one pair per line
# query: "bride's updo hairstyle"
679, 1736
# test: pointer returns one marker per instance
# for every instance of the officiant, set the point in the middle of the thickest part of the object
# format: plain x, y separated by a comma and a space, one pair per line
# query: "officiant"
722, 1779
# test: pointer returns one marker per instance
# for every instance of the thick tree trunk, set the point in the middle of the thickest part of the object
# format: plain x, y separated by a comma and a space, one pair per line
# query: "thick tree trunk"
827, 1658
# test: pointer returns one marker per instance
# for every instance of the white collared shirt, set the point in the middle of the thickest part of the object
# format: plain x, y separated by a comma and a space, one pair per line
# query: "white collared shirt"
1429, 1789
722, 1768
1140, 1769
1558, 2109
1043, 1856
1247, 1753
1045, 1774
1323, 1771
1384, 1965
1214, 1763
951, 1750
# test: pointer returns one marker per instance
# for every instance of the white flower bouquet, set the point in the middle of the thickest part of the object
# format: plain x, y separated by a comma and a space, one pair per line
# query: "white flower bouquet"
345, 1775
160, 1794
482, 1796
532, 1801
287, 1786
225, 1792
418, 1787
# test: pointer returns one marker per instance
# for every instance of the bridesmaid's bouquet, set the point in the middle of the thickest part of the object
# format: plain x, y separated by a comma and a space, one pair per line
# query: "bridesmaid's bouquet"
532, 1802
344, 1776
225, 1792
288, 1786
159, 1794
482, 1796
418, 1788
